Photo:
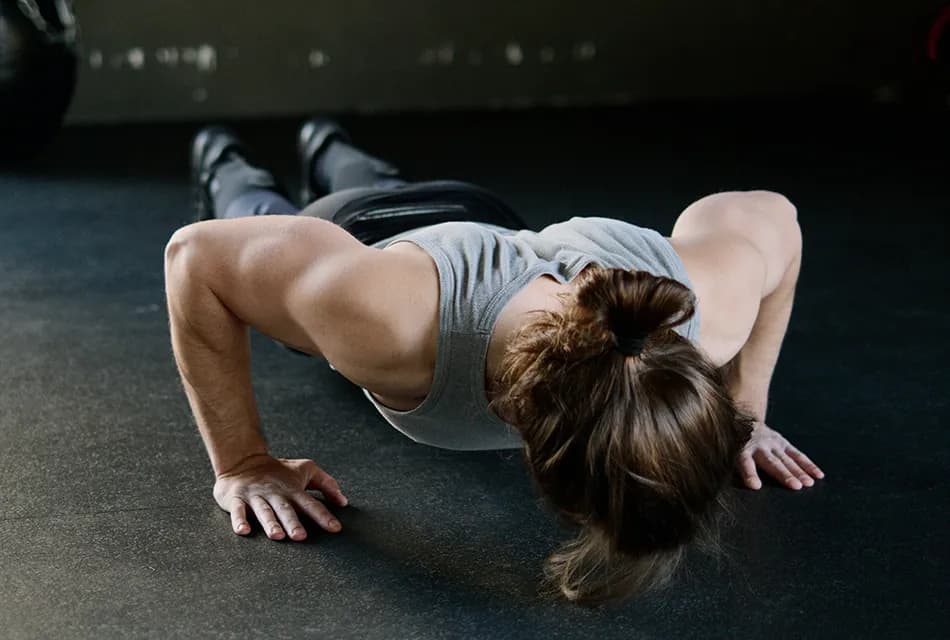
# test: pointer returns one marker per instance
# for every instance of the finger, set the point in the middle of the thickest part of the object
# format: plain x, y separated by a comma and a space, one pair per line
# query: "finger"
239, 517
748, 472
288, 517
774, 467
793, 467
805, 463
265, 515
318, 512
325, 484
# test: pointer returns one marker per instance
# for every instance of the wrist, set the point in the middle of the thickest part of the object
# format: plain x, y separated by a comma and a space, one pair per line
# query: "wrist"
753, 404
753, 399
227, 464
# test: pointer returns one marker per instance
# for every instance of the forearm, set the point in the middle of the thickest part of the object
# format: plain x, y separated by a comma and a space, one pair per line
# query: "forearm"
222, 400
750, 372
212, 351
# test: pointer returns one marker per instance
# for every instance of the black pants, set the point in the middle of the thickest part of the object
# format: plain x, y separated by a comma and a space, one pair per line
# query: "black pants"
366, 197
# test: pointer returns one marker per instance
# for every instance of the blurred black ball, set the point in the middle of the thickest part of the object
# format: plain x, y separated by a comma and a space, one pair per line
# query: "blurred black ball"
38, 60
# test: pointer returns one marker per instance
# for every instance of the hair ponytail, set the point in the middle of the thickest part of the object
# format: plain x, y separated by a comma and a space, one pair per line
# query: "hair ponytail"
633, 305
637, 450
589, 570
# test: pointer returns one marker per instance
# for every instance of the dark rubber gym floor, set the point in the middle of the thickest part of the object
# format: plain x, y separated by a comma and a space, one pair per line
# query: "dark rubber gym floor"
107, 524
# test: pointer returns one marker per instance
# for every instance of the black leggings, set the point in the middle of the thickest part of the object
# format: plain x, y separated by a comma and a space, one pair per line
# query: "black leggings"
367, 197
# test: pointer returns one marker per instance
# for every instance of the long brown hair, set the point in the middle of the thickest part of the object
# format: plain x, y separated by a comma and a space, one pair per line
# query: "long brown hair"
636, 449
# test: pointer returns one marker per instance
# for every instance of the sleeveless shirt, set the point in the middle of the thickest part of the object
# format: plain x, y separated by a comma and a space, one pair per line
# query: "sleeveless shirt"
481, 267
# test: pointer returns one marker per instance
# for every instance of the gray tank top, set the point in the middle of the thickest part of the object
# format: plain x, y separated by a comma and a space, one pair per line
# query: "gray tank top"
481, 267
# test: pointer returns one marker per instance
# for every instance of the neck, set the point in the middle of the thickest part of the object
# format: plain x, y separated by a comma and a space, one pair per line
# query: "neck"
541, 295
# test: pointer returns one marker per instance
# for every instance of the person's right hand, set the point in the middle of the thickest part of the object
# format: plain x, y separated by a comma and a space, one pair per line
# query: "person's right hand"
277, 486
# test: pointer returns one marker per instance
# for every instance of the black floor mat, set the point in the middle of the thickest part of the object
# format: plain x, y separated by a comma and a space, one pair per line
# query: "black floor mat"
107, 524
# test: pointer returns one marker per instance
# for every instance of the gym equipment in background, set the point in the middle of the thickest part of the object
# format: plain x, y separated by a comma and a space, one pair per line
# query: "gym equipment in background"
38, 61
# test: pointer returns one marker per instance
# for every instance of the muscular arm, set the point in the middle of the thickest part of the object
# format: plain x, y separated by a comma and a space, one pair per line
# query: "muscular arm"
745, 248
224, 276
749, 374
303, 281
211, 346
745, 251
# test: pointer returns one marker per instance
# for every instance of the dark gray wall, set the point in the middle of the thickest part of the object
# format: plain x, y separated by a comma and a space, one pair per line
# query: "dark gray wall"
170, 59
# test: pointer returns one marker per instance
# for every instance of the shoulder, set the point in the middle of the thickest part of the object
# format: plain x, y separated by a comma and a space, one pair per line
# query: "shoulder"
309, 284
764, 220
735, 246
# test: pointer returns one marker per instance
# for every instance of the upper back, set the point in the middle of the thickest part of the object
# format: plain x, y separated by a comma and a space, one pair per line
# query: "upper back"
480, 268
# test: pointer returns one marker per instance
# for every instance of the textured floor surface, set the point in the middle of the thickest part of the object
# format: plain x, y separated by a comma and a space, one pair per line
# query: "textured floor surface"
107, 524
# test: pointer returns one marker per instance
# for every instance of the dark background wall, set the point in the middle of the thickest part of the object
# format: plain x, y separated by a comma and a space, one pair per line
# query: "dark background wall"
173, 59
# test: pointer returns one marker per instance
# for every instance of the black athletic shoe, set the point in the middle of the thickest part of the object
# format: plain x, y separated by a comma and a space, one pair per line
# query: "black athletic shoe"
209, 148
313, 137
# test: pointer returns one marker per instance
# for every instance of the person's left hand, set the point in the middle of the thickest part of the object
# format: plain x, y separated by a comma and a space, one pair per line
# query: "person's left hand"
776, 456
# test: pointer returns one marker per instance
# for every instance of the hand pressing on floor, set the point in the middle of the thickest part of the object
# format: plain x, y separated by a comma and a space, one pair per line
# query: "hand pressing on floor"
776, 456
275, 489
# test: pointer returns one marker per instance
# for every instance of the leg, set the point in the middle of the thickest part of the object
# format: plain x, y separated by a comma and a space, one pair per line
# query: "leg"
342, 166
239, 189
368, 198
224, 182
